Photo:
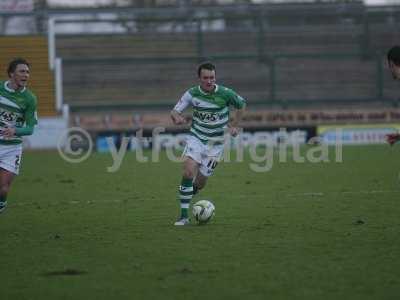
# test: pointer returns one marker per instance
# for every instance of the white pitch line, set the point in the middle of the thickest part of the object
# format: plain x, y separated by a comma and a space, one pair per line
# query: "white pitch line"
72, 202
312, 194
372, 192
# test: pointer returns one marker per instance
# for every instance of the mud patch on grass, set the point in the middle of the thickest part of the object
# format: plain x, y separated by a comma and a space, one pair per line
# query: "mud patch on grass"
66, 272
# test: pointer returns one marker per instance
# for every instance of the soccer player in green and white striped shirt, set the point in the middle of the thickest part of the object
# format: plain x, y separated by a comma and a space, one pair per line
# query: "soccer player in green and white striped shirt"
17, 118
204, 147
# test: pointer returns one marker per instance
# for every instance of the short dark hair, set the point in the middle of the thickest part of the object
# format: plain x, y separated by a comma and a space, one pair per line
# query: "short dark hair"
393, 55
12, 66
207, 66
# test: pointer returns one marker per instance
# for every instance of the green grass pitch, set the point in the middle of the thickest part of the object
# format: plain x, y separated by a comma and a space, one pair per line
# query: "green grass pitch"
301, 231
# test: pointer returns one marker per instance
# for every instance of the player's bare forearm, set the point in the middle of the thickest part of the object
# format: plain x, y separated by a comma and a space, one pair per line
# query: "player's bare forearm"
234, 124
177, 118
8, 132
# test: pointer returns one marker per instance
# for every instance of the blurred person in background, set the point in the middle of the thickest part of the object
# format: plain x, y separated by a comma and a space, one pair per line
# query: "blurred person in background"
17, 118
393, 59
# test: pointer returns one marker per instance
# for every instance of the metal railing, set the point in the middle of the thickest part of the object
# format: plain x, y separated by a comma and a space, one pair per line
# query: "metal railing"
263, 22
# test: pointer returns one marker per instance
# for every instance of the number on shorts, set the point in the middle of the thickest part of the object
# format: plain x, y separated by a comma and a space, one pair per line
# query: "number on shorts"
17, 160
212, 164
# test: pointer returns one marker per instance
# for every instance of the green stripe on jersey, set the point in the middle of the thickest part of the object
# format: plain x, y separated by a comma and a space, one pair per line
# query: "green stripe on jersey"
210, 126
209, 132
11, 108
211, 109
14, 141
206, 136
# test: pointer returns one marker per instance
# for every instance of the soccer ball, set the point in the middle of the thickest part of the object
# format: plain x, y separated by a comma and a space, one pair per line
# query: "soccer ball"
203, 211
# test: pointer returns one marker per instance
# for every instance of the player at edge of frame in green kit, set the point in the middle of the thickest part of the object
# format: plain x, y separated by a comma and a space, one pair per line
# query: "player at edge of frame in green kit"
393, 61
17, 118
205, 144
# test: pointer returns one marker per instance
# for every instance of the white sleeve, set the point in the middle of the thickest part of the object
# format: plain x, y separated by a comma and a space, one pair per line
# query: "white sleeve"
184, 102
